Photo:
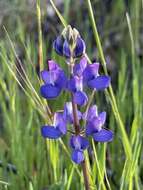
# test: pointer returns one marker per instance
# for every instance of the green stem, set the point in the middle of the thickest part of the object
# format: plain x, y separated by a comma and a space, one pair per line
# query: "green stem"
89, 102
58, 13
40, 49
109, 92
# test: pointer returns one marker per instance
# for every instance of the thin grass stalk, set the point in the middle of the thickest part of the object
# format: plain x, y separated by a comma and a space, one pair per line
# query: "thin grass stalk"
40, 49
130, 166
70, 178
49, 144
135, 89
87, 108
134, 69
108, 184
110, 92
27, 81
59, 14
30, 61
33, 100
4, 183
137, 181
68, 154
98, 167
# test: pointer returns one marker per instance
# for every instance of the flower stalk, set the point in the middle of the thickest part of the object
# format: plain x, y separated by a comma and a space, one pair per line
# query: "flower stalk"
81, 76
77, 132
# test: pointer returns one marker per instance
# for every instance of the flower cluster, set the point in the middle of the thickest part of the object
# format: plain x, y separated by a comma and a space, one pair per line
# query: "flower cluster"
69, 43
83, 76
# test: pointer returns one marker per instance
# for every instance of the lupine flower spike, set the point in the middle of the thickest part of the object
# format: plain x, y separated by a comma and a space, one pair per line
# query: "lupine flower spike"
81, 77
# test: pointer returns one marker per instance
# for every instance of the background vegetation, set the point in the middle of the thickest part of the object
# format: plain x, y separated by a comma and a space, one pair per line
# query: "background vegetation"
27, 162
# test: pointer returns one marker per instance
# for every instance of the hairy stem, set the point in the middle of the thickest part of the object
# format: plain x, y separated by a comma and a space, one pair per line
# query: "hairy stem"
77, 132
75, 116
85, 175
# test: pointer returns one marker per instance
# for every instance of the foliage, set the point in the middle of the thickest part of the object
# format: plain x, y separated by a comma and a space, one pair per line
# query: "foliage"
27, 161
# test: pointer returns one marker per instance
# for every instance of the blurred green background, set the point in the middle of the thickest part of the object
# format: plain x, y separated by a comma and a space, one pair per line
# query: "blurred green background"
26, 161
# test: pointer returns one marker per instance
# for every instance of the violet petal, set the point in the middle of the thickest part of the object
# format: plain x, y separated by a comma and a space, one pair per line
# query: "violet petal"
80, 98
66, 49
58, 45
80, 47
50, 132
77, 156
103, 136
100, 82
49, 91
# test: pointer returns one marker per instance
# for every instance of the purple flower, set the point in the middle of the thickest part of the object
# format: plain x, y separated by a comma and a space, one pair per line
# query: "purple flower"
90, 75
54, 79
94, 125
78, 145
62, 47
58, 45
80, 67
68, 113
66, 49
71, 46
92, 112
58, 128
92, 78
75, 85
79, 48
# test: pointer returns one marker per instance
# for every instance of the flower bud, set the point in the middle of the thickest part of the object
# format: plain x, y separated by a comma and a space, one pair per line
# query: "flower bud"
69, 43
